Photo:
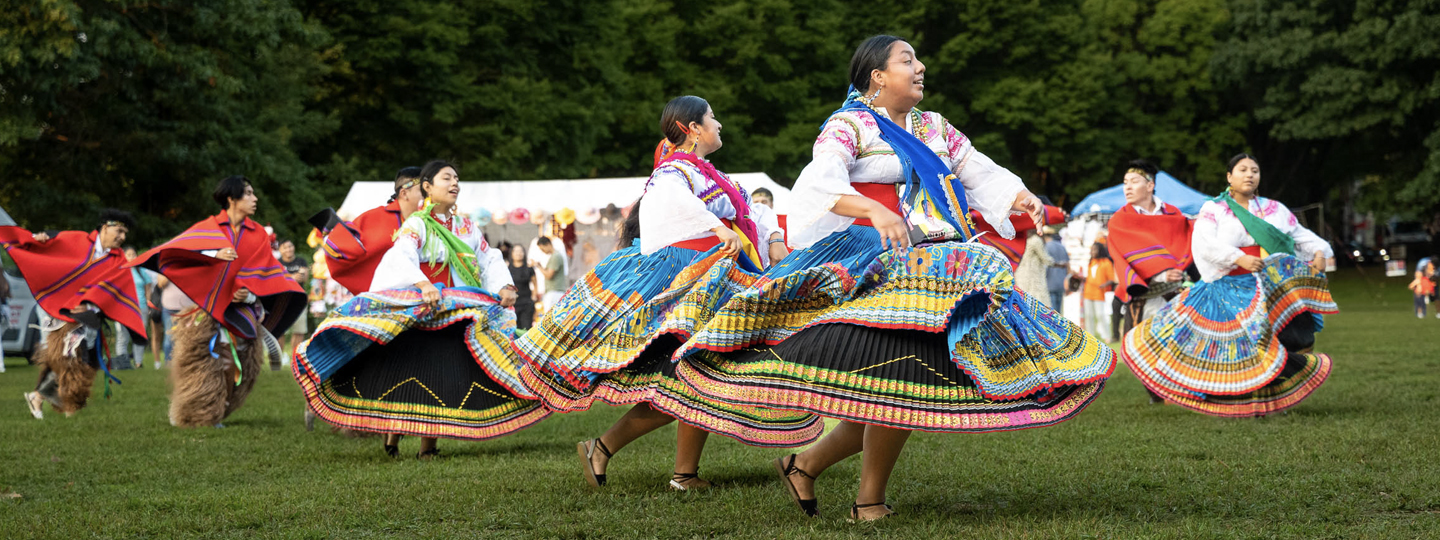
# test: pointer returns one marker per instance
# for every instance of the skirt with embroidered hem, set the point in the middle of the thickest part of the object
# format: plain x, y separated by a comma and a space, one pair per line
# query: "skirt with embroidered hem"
933, 338
1238, 342
385, 362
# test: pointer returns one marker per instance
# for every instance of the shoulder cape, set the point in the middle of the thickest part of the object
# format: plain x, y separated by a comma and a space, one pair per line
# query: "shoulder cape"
1013, 248
211, 282
61, 275
1142, 247
351, 258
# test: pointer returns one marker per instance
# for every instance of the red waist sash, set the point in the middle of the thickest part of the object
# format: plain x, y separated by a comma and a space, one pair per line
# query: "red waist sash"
884, 194
437, 273
703, 243
1253, 251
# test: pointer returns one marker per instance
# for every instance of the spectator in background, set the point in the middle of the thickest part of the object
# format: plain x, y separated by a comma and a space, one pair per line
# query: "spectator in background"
526, 287
1059, 269
763, 196
1099, 279
172, 302
129, 354
554, 272
4, 312
1423, 287
298, 270
1034, 265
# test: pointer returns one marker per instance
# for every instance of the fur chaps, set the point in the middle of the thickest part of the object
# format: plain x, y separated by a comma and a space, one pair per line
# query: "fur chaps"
203, 390
74, 376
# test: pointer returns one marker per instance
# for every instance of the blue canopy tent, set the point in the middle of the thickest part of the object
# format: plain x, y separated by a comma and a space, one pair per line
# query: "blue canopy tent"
1170, 190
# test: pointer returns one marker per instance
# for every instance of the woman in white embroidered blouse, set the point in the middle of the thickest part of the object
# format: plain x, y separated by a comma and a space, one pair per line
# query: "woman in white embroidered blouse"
852, 328
1239, 343
613, 332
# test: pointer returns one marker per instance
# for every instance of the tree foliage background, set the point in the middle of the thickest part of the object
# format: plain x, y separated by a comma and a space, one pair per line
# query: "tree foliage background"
142, 105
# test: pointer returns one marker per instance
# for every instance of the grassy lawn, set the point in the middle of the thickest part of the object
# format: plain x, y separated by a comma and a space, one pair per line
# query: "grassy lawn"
1359, 459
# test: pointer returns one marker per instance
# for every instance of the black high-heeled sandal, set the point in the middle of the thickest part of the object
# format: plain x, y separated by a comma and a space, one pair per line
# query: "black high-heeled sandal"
855, 512
811, 507
586, 450
393, 450
682, 482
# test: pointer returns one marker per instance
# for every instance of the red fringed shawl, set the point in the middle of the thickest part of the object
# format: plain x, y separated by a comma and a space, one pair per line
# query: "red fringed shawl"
1013, 248
62, 274
352, 261
212, 282
1144, 246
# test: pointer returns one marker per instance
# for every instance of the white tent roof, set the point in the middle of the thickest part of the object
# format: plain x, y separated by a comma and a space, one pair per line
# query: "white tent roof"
547, 195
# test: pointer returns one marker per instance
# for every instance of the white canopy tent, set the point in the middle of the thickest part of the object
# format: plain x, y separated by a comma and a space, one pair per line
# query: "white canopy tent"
547, 195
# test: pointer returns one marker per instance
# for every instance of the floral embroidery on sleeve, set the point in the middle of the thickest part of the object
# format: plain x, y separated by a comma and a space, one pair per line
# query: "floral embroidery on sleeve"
840, 136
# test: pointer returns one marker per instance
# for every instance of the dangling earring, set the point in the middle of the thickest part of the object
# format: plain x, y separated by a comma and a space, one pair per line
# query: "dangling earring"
869, 101
694, 144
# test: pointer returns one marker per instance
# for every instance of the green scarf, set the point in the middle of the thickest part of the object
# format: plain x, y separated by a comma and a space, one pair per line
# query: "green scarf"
457, 253
1262, 231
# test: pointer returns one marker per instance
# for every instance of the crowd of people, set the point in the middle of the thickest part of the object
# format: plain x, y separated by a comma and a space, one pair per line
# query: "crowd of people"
704, 315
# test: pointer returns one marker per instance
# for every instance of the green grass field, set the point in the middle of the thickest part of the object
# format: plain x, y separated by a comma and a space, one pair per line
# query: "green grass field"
1359, 459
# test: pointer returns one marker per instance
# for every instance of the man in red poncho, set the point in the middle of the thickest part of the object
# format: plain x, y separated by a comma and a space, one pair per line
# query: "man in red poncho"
243, 295
353, 250
76, 278
1149, 244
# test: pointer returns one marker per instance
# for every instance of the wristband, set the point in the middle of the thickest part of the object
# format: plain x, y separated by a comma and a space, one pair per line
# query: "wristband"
777, 240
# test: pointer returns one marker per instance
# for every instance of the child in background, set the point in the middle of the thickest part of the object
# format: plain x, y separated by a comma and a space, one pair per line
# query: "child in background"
1423, 287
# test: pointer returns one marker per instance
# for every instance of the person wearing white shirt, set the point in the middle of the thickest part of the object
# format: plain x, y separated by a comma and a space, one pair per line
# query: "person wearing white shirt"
1239, 342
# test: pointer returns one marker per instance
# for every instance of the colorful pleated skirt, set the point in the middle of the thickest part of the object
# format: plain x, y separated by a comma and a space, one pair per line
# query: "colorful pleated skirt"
385, 362
934, 338
1237, 346
612, 336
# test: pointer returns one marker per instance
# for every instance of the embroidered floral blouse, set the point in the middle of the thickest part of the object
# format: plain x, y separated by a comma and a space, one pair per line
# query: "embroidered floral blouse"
400, 266
681, 203
850, 151
1219, 235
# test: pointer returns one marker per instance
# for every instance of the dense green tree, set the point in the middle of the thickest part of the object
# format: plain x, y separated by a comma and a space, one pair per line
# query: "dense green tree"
143, 106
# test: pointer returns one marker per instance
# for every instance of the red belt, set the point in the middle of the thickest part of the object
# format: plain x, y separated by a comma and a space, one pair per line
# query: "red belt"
436, 273
1253, 251
885, 194
703, 243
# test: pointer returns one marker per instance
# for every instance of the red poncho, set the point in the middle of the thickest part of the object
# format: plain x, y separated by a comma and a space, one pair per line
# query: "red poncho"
63, 272
1013, 248
352, 261
212, 282
1144, 246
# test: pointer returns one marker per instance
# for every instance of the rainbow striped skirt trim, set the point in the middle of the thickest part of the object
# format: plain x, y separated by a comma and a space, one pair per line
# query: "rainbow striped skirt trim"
1234, 346
932, 339
384, 362
612, 336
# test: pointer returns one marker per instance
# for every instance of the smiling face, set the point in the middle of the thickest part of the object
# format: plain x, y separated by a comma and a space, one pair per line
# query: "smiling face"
287, 250
708, 131
1139, 190
444, 189
1244, 178
113, 236
902, 82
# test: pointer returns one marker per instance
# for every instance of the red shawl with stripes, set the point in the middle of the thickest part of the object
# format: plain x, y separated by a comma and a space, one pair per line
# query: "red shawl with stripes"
352, 261
62, 273
1013, 248
1144, 246
212, 282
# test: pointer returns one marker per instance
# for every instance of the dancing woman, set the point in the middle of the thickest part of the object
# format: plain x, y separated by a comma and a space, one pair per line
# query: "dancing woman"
856, 327
76, 277
426, 352
1239, 343
613, 333
225, 265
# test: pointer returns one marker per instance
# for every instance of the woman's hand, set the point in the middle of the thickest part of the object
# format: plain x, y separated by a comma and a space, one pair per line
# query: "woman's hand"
508, 296
1030, 204
429, 294
1250, 262
894, 232
227, 254
1319, 263
730, 242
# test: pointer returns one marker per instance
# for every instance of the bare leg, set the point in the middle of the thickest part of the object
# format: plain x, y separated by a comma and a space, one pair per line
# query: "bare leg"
639, 420
847, 439
882, 449
689, 443
427, 448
